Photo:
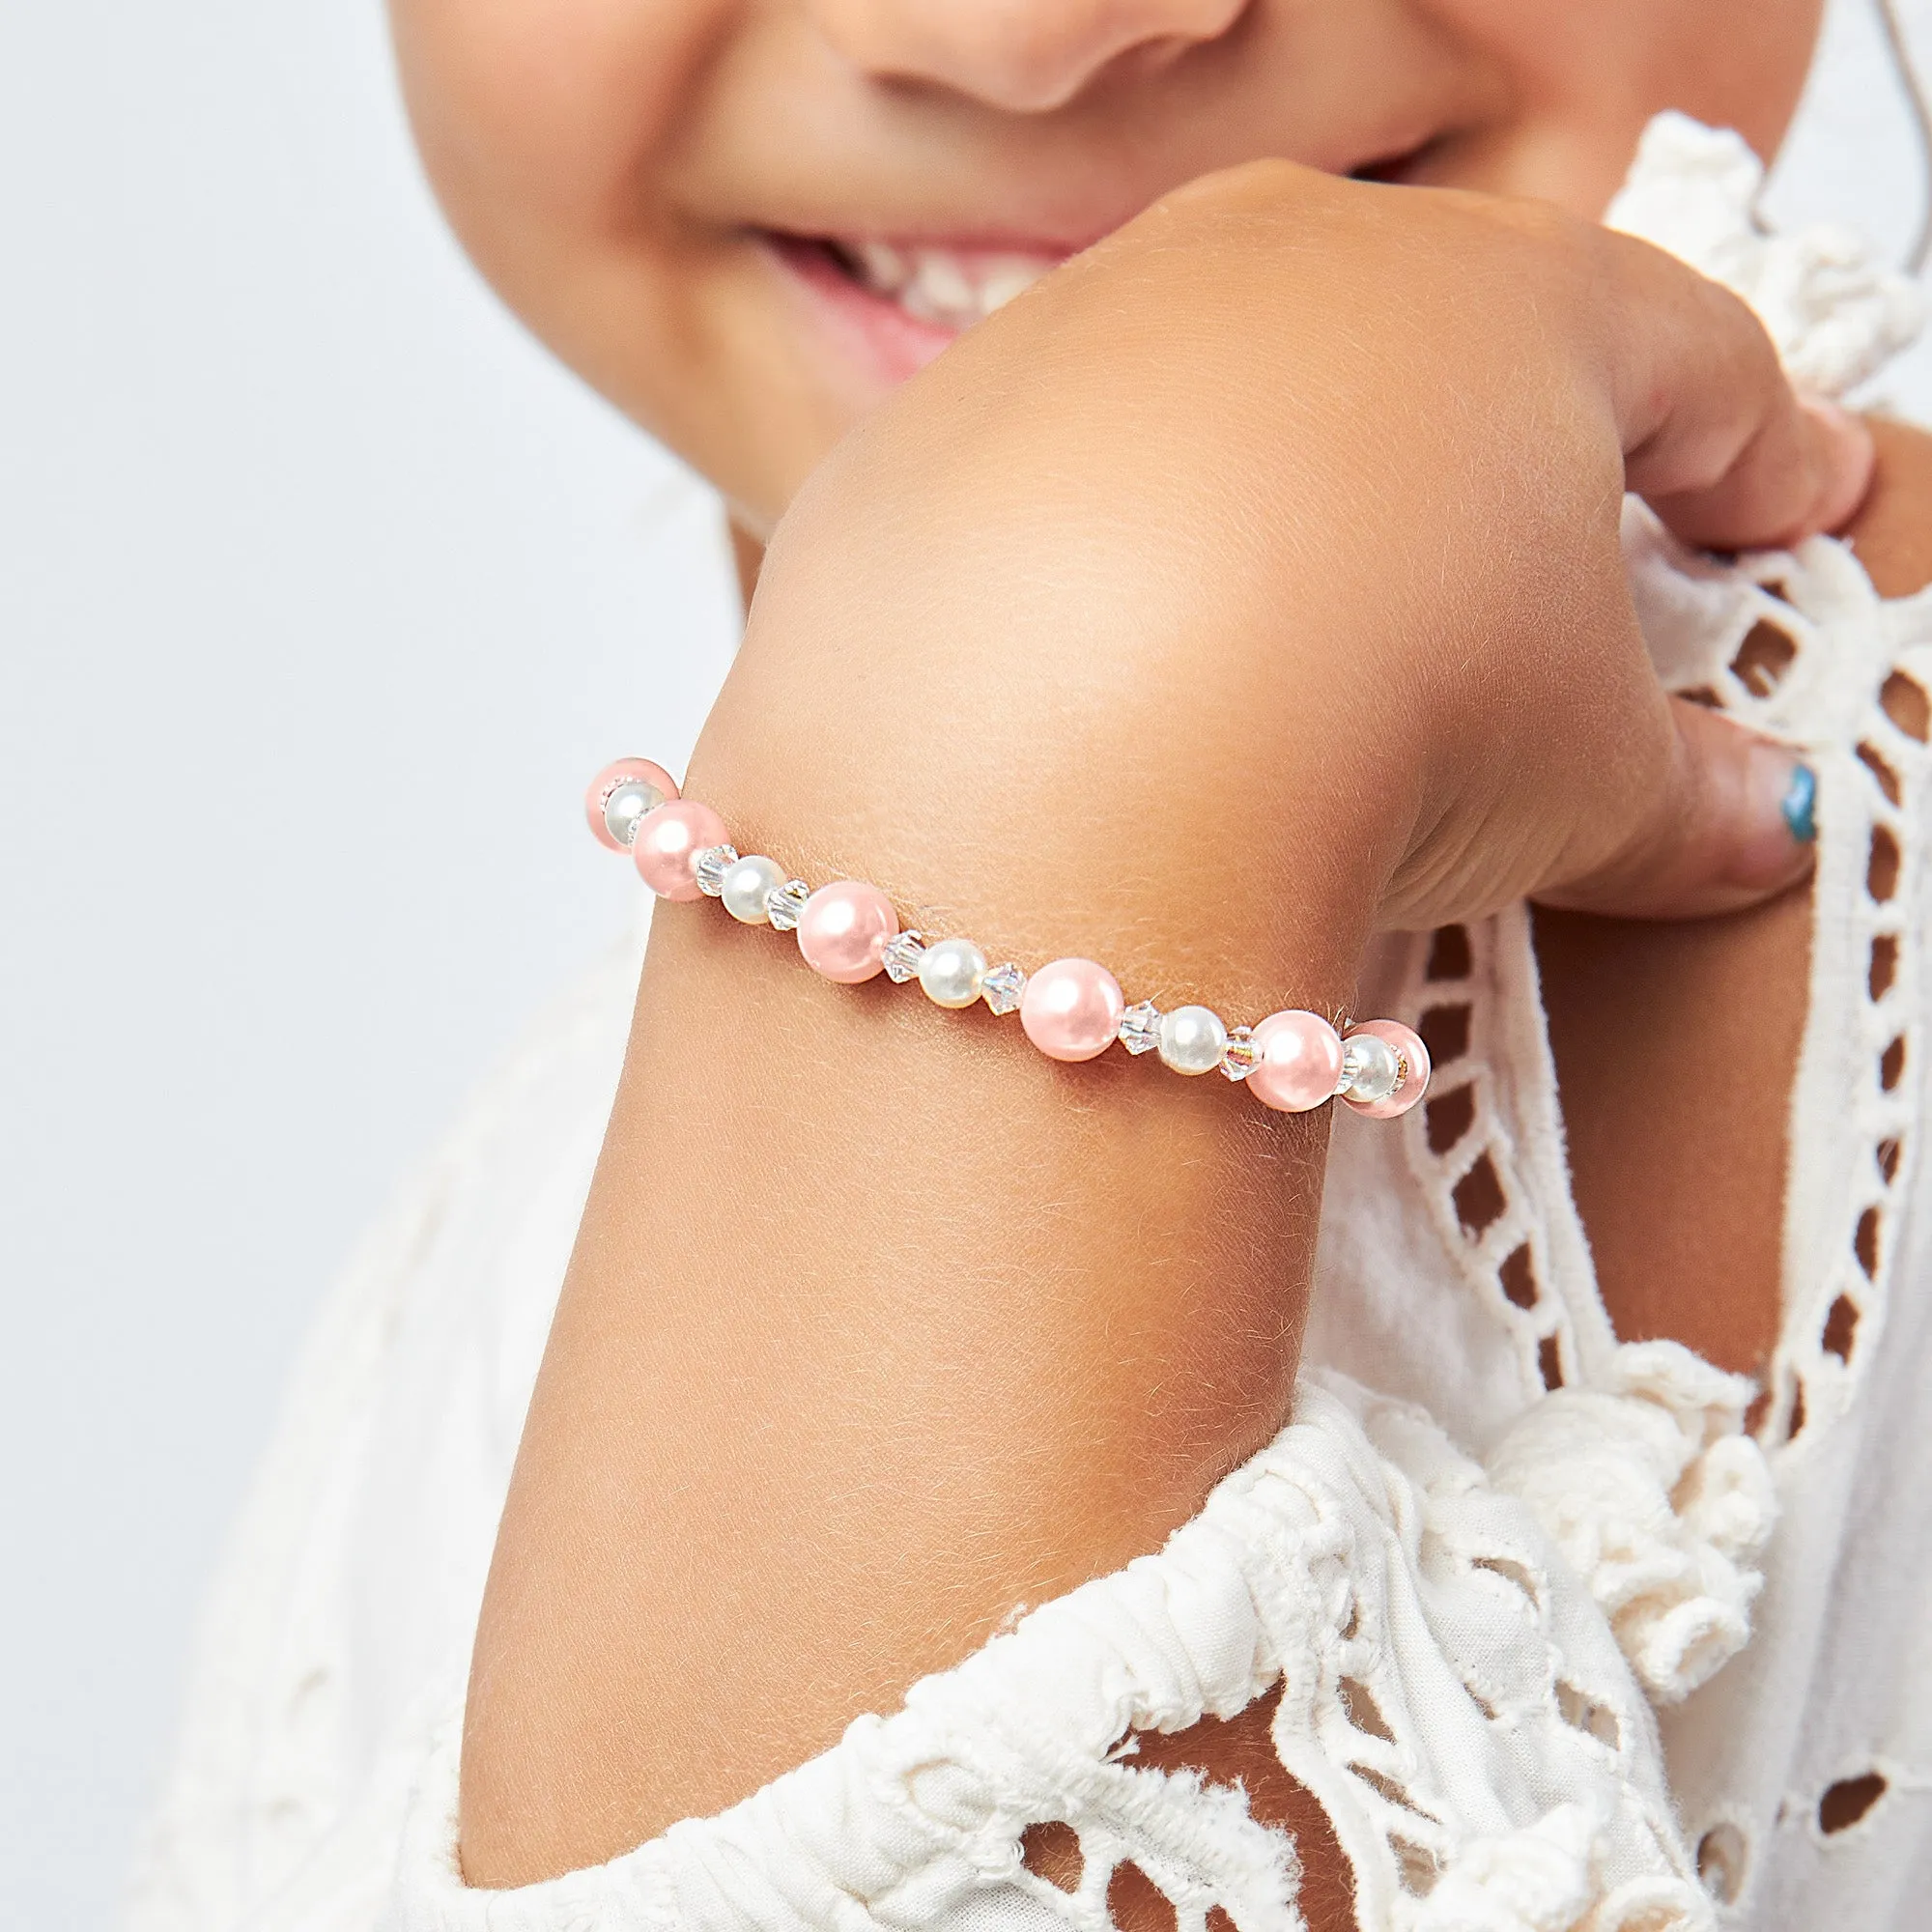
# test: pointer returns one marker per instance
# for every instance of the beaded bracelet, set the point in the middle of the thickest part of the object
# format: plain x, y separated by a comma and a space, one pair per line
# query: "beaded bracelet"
1071, 1009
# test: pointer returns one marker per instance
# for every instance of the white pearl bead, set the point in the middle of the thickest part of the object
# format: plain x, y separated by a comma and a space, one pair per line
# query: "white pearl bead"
952, 973
1192, 1039
1370, 1068
745, 886
625, 804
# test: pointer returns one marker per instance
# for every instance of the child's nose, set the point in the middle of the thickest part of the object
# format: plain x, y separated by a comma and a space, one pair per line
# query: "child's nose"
1026, 56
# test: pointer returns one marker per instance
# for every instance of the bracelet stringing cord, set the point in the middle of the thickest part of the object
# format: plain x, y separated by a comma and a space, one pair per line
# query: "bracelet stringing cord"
1070, 1009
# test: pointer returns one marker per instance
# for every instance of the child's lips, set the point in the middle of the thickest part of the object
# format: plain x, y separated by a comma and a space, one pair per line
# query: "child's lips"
900, 297
904, 302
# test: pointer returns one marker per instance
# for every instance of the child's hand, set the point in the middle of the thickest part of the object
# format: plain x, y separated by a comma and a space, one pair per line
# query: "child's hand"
1283, 525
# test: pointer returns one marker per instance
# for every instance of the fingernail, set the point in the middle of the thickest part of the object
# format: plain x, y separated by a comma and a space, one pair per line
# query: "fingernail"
1800, 803
1780, 822
1850, 456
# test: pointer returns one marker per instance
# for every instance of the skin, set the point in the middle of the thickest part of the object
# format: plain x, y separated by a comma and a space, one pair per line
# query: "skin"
603, 161
917, 1395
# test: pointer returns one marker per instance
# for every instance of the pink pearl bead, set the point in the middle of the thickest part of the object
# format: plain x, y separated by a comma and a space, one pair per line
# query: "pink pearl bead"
843, 929
669, 840
1299, 1060
1073, 1009
609, 779
1410, 1049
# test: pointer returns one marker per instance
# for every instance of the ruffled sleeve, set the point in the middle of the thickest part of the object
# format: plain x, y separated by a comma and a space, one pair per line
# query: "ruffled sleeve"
1658, 1500
1450, 1692
1837, 313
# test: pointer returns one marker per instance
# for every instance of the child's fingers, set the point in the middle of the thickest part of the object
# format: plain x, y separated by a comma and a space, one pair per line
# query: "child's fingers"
1850, 456
1731, 826
1732, 457
1714, 435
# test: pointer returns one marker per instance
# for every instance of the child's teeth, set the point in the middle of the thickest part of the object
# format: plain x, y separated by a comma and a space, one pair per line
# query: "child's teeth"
1001, 283
936, 286
941, 284
885, 267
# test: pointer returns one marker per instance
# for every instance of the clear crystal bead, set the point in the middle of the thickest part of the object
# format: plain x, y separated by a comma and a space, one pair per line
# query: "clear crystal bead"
710, 866
1140, 1027
1003, 987
784, 904
901, 958
1239, 1062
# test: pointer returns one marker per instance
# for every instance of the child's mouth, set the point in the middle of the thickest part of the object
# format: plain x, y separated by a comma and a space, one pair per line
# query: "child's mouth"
908, 299
893, 301
951, 288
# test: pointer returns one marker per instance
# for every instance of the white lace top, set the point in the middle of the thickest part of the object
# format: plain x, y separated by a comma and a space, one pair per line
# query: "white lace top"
1559, 1643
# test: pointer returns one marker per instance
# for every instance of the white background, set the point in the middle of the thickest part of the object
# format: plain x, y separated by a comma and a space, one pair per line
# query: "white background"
321, 593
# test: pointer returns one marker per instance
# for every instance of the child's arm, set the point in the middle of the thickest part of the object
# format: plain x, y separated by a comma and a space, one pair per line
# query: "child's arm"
1254, 582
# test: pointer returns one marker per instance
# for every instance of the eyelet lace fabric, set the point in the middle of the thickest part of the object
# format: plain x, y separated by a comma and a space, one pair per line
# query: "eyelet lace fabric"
1800, 646
1561, 1645
1450, 1693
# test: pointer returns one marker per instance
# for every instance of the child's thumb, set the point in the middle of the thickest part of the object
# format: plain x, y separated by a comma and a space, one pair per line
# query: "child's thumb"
1732, 826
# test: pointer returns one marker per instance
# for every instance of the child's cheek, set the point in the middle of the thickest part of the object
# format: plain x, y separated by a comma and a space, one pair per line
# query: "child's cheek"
560, 136
567, 104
